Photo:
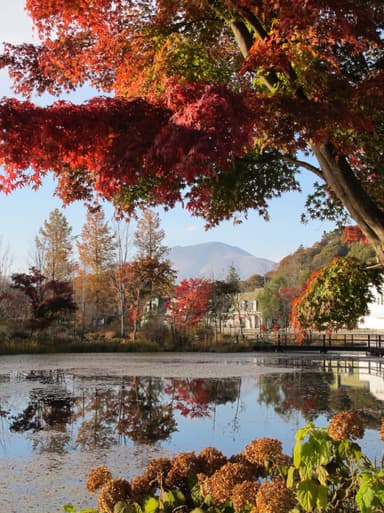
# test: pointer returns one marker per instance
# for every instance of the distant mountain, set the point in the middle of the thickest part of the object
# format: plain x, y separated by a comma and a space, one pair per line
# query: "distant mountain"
213, 259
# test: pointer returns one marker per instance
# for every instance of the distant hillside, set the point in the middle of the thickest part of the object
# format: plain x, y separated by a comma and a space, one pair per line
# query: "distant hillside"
212, 260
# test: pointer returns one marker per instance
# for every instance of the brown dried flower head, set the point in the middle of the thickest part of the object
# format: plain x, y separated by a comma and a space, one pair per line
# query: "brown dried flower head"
112, 492
97, 478
244, 494
220, 485
274, 497
264, 450
157, 469
184, 465
345, 425
141, 487
210, 460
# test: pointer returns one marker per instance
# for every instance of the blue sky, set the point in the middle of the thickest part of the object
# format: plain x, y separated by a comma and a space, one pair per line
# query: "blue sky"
23, 212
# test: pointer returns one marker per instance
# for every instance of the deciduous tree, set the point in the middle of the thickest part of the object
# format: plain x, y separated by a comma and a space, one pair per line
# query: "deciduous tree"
189, 305
96, 246
219, 104
335, 296
144, 279
49, 299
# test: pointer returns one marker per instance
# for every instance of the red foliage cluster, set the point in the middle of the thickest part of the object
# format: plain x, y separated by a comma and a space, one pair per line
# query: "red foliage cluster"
110, 144
354, 234
191, 301
303, 82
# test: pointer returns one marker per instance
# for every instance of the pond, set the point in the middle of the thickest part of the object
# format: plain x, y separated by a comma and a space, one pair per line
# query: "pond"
63, 415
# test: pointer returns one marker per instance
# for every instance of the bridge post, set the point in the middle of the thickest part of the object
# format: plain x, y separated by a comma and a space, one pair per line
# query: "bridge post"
369, 342
324, 348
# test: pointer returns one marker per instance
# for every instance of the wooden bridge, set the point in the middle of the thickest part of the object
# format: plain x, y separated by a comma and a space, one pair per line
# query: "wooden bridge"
351, 342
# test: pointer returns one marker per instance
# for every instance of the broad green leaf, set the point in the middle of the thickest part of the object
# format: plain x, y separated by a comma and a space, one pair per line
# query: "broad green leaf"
310, 494
290, 477
151, 505
364, 499
322, 475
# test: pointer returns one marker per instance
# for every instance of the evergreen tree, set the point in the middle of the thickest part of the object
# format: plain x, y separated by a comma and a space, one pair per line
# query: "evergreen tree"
53, 248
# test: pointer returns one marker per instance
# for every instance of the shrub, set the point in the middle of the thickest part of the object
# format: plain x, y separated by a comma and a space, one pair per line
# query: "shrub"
328, 473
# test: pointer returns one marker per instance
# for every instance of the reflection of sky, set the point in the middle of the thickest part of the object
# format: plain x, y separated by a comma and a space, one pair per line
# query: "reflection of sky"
46, 468
229, 427
232, 426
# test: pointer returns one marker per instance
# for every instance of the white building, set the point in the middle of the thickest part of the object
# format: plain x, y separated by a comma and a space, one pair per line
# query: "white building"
375, 319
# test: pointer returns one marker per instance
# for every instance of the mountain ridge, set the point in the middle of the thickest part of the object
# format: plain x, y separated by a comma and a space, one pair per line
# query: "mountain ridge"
213, 259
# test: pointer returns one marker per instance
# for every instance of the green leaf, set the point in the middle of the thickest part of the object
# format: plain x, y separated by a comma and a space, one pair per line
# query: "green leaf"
68, 508
179, 496
197, 510
364, 499
151, 505
322, 475
196, 496
310, 495
123, 507
290, 477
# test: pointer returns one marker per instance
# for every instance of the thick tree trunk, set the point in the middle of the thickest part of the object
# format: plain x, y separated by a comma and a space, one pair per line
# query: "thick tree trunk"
336, 171
341, 180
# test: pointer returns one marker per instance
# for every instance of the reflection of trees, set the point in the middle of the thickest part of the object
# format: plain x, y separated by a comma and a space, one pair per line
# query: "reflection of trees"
358, 398
142, 409
50, 411
143, 416
306, 392
97, 409
198, 397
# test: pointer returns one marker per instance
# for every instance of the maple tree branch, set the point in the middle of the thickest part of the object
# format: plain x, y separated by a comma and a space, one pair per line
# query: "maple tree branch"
302, 163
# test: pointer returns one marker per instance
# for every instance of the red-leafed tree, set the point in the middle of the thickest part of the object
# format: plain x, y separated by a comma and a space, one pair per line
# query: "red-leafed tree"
189, 305
354, 234
49, 299
218, 104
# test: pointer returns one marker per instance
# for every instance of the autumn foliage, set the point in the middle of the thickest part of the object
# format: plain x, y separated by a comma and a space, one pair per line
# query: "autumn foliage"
335, 296
354, 234
190, 302
209, 104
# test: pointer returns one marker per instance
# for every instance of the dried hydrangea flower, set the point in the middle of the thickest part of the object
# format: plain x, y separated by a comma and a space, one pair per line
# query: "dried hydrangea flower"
97, 478
112, 492
345, 425
274, 497
184, 465
244, 494
142, 487
264, 450
210, 460
220, 484
157, 468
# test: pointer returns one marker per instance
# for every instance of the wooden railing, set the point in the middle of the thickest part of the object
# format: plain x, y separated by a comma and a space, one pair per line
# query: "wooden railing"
372, 343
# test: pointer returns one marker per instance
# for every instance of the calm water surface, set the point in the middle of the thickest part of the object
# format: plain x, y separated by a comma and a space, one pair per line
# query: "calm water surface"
62, 415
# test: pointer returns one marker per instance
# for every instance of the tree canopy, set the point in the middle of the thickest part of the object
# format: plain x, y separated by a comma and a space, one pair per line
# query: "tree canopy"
217, 104
335, 296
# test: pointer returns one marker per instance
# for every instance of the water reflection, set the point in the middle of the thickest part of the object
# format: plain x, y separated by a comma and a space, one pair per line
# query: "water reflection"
59, 412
